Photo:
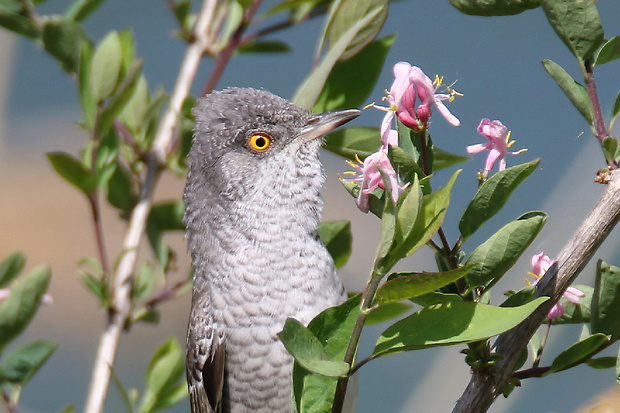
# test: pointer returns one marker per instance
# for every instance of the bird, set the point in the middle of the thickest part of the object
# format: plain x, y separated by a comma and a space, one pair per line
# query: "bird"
253, 199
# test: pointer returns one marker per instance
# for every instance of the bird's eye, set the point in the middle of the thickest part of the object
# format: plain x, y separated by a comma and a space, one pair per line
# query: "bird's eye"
259, 142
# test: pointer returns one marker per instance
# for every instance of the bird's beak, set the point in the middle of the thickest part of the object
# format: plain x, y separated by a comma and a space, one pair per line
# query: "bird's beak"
321, 124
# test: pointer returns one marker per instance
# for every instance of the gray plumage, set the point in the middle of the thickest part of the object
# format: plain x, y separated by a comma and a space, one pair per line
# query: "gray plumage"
252, 229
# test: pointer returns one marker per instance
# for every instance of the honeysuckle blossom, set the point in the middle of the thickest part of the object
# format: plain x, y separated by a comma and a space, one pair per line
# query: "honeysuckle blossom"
497, 145
369, 176
540, 265
410, 85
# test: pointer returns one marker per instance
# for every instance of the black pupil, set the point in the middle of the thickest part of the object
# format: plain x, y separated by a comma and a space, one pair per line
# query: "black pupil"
261, 142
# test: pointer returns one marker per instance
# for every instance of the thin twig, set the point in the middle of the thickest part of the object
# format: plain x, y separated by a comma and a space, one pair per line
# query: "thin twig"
485, 386
231, 46
98, 224
156, 159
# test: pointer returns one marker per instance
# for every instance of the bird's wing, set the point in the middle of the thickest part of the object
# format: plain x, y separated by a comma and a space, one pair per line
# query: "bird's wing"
205, 367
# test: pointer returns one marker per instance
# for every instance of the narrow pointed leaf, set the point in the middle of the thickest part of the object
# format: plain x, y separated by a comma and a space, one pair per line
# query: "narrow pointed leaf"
17, 23
73, 171
502, 250
10, 267
577, 23
22, 362
494, 7
20, 306
609, 52
386, 312
309, 91
351, 81
106, 66
577, 352
265, 46
308, 350
606, 300
345, 14
62, 38
404, 286
121, 97
573, 90
602, 362
444, 159
336, 235
81, 9
166, 368
492, 196
451, 323
333, 328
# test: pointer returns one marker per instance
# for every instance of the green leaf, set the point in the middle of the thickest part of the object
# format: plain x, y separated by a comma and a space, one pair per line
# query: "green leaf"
308, 351
345, 14
451, 323
388, 228
602, 362
576, 353
265, 46
428, 221
350, 82
354, 141
22, 362
494, 7
144, 283
616, 109
609, 52
98, 286
575, 92
435, 297
577, 23
62, 38
11, 20
10, 267
333, 328
577, 313
81, 9
610, 148
87, 100
492, 196
106, 66
386, 312
73, 171
169, 215
502, 250
20, 306
134, 111
404, 286
407, 169
336, 235
166, 368
443, 159
606, 300
523, 296
123, 94
309, 91
119, 190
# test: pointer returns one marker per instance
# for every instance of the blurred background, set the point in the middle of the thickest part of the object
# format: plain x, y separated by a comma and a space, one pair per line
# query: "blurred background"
496, 64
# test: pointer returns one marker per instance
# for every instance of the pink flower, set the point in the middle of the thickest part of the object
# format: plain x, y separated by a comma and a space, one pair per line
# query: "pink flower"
540, 265
371, 179
411, 84
498, 144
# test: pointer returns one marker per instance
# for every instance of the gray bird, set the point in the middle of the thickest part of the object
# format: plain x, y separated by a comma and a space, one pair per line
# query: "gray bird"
253, 197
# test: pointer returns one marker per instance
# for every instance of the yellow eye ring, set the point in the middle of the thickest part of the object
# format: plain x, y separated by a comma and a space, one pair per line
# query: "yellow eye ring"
259, 142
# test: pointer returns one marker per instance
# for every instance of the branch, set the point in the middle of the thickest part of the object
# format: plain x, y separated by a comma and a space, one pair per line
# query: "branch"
485, 386
156, 160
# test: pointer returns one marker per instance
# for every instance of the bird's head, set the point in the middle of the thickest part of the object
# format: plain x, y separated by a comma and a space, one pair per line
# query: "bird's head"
249, 143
